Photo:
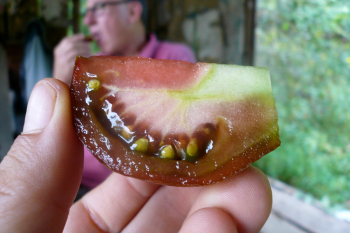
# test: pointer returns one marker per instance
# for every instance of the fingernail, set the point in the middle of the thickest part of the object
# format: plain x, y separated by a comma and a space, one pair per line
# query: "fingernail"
40, 107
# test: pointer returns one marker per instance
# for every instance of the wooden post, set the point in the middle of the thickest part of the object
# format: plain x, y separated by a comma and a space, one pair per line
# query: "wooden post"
76, 15
249, 21
6, 113
152, 16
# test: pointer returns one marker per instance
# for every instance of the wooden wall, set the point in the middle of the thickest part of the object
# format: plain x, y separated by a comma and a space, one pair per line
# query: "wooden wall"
14, 18
214, 28
220, 31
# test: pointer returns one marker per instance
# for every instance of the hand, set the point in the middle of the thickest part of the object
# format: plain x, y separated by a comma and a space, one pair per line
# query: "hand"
40, 176
65, 53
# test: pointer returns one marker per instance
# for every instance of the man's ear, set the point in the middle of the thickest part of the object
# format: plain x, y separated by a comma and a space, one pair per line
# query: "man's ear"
135, 11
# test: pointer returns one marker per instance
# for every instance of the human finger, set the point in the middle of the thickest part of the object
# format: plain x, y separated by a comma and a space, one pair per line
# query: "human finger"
79, 36
211, 220
70, 56
165, 211
168, 208
40, 175
74, 43
72, 39
246, 197
81, 50
110, 206
76, 48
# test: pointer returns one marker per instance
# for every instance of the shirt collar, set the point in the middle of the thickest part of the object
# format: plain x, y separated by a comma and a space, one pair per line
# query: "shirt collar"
150, 48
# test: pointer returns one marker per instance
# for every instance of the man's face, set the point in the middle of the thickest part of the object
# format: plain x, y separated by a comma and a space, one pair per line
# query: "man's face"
109, 26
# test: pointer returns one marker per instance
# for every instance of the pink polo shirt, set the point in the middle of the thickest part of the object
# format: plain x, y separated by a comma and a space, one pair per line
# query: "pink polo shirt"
95, 172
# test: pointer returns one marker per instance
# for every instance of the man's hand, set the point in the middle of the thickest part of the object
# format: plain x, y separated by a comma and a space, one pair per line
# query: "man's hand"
40, 176
65, 53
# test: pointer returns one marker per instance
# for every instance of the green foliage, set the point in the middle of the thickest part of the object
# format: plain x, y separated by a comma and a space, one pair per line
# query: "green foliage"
82, 27
306, 44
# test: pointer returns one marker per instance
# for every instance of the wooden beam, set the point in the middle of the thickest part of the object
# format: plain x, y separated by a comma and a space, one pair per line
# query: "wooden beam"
277, 224
290, 214
76, 14
152, 16
249, 32
6, 113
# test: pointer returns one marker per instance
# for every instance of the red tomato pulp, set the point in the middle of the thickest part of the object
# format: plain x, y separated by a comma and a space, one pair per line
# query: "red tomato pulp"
171, 122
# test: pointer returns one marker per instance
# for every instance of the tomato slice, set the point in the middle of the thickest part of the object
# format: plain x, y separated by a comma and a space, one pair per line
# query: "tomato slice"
172, 122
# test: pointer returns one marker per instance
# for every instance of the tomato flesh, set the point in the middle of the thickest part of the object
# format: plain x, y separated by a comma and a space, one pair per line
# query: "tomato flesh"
170, 122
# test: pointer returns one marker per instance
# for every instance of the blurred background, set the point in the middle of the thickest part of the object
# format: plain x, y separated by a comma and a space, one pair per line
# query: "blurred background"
305, 43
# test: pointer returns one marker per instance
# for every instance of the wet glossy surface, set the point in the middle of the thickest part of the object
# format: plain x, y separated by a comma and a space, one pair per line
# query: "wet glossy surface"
137, 121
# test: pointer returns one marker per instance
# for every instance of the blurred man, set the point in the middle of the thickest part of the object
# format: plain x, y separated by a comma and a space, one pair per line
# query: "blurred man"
117, 27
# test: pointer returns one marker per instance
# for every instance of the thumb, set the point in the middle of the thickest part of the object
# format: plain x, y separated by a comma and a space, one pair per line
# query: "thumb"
40, 175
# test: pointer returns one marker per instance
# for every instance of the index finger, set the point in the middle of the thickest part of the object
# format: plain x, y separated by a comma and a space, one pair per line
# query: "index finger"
78, 37
110, 206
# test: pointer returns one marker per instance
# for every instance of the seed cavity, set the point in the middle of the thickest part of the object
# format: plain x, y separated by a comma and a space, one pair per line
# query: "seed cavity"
139, 137
140, 145
167, 152
94, 85
126, 133
118, 129
210, 146
192, 148
180, 148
